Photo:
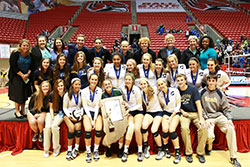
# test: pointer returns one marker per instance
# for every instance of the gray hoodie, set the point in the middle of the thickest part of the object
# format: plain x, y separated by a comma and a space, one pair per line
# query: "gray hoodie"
214, 104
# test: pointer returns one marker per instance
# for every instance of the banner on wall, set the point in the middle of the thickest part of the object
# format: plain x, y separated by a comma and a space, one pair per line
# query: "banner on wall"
4, 51
158, 6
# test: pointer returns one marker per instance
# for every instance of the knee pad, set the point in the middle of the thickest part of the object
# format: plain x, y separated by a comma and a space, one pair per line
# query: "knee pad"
87, 134
70, 135
144, 130
173, 135
155, 134
98, 133
164, 135
78, 133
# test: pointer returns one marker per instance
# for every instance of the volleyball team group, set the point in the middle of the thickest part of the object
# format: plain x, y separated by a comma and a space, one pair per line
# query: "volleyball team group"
158, 92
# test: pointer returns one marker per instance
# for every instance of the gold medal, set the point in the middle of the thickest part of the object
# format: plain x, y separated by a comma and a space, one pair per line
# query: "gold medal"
117, 81
92, 104
147, 107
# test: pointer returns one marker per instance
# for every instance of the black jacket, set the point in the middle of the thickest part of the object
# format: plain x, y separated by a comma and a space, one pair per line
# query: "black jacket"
187, 54
139, 53
163, 55
105, 55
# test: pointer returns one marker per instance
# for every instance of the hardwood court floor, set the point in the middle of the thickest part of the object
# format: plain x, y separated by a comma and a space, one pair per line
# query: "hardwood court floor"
34, 158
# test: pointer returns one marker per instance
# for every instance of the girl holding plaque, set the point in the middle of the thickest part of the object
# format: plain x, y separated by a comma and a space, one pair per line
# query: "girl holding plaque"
72, 107
153, 116
132, 96
195, 75
173, 69
169, 99
91, 97
116, 71
109, 91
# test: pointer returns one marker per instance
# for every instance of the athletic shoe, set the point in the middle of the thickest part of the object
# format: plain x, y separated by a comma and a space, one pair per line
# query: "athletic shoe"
46, 154
235, 162
75, 152
124, 157
167, 153
140, 157
146, 152
108, 152
56, 151
69, 155
189, 158
35, 136
40, 138
201, 158
88, 157
159, 155
96, 156
120, 153
177, 158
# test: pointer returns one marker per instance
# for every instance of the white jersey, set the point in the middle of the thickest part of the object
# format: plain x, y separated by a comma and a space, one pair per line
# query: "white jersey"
192, 80
150, 76
91, 102
223, 79
153, 105
171, 78
70, 105
112, 74
173, 100
134, 100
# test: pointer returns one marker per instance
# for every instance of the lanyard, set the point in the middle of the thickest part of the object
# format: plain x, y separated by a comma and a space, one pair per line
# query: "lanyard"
157, 75
75, 97
194, 79
92, 96
145, 99
168, 52
128, 93
166, 99
146, 72
99, 54
117, 73
174, 76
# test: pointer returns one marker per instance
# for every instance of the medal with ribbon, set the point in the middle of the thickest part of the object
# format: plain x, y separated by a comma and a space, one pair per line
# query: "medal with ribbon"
194, 79
99, 54
145, 99
92, 97
128, 93
75, 97
117, 74
174, 75
146, 72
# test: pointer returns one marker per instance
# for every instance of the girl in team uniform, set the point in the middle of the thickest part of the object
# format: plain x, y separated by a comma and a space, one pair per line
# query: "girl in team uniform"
169, 99
38, 107
116, 71
54, 118
146, 69
132, 68
153, 116
72, 107
109, 91
195, 76
91, 97
223, 80
160, 71
173, 69
80, 68
61, 70
43, 73
132, 96
97, 69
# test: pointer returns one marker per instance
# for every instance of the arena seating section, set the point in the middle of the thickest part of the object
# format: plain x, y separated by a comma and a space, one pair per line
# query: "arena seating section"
11, 30
48, 20
106, 25
245, 6
171, 21
229, 24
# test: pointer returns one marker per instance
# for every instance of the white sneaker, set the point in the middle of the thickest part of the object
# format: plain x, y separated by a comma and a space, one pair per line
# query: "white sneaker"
146, 152
160, 154
56, 151
46, 154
